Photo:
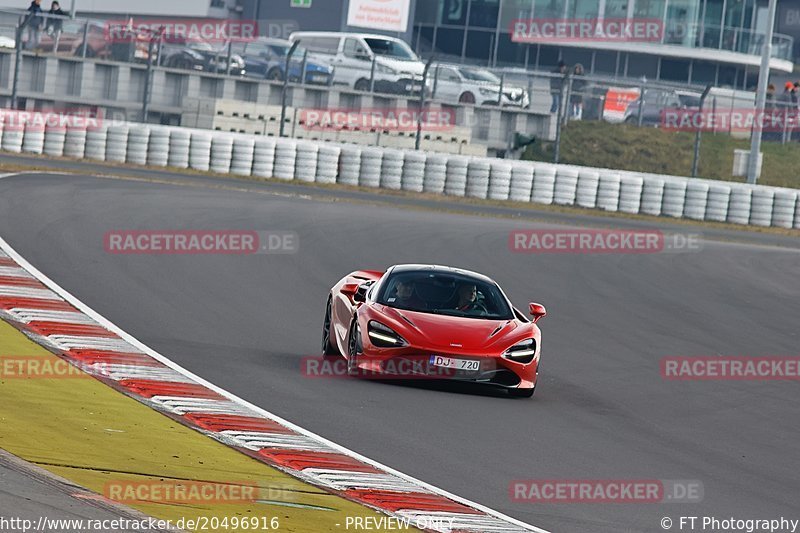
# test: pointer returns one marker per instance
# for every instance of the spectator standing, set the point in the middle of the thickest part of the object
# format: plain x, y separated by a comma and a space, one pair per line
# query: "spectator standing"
576, 92
34, 24
55, 23
557, 84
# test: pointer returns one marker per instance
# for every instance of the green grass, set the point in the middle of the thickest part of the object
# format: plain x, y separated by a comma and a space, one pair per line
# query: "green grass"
624, 147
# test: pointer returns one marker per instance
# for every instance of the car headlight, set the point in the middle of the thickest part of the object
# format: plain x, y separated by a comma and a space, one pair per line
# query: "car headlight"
522, 352
383, 69
489, 92
384, 336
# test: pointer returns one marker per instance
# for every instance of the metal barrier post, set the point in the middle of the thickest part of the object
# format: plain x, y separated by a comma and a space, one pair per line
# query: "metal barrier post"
228, 58
557, 148
303, 67
148, 80
372, 75
17, 62
641, 104
697, 135
285, 89
85, 38
418, 140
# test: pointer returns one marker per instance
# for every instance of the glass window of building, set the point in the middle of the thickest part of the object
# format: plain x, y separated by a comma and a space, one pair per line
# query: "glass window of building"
484, 13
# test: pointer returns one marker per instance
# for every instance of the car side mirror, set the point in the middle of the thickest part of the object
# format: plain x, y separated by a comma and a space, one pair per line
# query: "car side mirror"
361, 293
537, 311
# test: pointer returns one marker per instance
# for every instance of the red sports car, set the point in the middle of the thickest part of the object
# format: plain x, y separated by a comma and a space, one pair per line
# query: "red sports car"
432, 322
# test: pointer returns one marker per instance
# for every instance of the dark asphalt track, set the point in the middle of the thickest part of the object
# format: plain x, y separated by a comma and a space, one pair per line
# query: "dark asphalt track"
602, 410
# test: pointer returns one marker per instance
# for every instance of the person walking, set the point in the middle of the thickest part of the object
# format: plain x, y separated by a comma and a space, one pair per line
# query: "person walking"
576, 92
34, 24
559, 74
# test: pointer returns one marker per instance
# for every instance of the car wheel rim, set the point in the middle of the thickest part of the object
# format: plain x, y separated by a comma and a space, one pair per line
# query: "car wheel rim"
326, 328
352, 360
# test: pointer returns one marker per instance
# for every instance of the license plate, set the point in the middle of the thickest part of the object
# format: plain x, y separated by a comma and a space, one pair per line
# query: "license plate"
320, 78
468, 365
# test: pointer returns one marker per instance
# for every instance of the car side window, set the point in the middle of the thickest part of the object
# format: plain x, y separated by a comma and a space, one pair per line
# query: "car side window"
450, 74
322, 45
354, 49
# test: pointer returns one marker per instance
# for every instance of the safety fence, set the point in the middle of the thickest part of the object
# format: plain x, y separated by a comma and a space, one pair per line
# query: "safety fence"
409, 170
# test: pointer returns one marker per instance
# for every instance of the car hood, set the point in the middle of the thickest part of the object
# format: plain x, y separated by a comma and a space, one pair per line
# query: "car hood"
453, 334
412, 67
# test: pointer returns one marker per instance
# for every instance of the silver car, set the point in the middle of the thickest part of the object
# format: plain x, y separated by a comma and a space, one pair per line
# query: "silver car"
474, 85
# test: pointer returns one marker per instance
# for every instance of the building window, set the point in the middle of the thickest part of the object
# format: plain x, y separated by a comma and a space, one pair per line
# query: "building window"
675, 70
480, 46
450, 42
483, 13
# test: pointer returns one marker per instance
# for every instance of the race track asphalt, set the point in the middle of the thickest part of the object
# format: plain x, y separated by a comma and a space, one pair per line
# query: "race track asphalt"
602, 409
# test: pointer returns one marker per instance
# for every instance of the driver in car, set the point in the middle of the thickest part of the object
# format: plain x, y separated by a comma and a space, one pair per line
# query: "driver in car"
407, 296
468, 298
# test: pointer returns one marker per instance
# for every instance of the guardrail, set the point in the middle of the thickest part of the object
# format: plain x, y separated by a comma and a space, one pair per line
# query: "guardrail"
453, 175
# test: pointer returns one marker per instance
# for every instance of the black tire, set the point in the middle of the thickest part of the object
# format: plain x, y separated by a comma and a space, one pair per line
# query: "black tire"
466, 98
327, 348
354, 348
362, 85
275, 74
522, 393
632, 120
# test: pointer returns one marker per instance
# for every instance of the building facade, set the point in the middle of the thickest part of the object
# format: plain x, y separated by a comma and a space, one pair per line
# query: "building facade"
700, 42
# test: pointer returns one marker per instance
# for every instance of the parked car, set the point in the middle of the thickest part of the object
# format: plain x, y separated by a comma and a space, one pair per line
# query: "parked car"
200, 55
266, 58
398, 70
472, 85
127, 45
653, 103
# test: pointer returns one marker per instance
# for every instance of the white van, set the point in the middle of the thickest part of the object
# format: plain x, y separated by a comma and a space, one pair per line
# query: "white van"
398, 70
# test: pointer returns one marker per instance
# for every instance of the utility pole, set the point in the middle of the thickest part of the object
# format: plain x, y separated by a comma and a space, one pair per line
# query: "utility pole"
761, 96
422, 95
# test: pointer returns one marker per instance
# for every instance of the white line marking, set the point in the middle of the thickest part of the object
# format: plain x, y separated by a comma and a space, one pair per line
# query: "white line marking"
43, 315
245, 404
27, 292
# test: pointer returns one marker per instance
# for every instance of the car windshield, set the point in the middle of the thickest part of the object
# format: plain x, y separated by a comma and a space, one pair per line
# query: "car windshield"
391, 48
281, 50
444, 293
479, 75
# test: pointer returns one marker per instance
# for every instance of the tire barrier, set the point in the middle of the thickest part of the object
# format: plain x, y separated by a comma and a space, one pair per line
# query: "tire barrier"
285, 159
762, 206
75, 142
630, 193
392, 170
138, 142
478, 173
652, 196
544, 183
409, 170
95, 143
371, 162
12, 137
263, 157
328, 164
566, 186
158, 148
200, 150
179, 142
783, 210
306, 162
117, 144
55, 137
242, 159
586, 193
608, 191
435, 174
414, 171
674, 197
33, 138
455, 183
719, 197
740, 202
696, 200
221, 153
349, 165
521, 185
500, 180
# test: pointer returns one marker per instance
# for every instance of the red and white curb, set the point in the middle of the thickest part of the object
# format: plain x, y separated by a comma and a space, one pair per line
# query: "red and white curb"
57, 320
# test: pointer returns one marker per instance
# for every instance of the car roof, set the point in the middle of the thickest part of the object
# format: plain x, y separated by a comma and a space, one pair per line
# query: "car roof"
344, 34
273, 40
396, 269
